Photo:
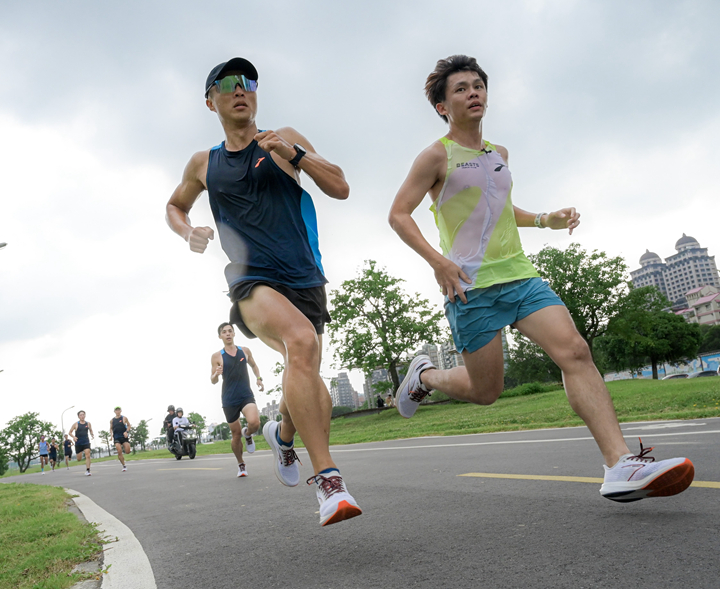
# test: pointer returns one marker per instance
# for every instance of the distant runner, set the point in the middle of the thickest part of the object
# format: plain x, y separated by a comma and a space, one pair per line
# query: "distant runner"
82, 442
237, 397
67, 450
43, 452
120, 428
53, 453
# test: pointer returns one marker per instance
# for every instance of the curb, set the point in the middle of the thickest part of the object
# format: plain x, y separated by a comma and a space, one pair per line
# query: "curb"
125, 559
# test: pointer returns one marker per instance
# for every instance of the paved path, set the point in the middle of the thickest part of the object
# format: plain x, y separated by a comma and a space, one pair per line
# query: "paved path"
424, 525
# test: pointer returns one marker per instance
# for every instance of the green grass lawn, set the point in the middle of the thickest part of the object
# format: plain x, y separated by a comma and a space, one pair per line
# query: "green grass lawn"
40, 540
635, 400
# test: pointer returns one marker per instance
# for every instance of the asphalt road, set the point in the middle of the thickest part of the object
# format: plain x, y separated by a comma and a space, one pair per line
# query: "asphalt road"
424, 525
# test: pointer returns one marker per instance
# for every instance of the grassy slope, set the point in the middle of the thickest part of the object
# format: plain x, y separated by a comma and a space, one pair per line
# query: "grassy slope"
40, 540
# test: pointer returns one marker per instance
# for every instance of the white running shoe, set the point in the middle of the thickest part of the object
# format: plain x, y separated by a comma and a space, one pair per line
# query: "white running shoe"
411, 390
637, 477
249, 443
286, 469
124, 468
242, 471
336, 504
87, 473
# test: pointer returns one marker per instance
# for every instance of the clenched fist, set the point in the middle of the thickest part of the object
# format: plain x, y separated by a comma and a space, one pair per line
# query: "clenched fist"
199, 238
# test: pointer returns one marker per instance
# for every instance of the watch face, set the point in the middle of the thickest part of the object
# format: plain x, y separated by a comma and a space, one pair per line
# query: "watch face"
299, 148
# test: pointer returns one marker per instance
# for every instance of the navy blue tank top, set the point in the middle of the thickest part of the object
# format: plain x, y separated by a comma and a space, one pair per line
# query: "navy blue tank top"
68, 446
82, 433
118, 427
236, 380
266, 222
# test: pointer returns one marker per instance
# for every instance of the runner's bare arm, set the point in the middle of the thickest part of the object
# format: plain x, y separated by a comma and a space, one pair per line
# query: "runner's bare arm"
255, 369
178, 207
92, 434
216, 367
128, 426
72, 429
427, 171
329, 177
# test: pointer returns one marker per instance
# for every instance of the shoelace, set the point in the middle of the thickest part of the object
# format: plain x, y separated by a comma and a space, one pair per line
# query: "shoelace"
287, 457
643, 453
328, 485
418, 394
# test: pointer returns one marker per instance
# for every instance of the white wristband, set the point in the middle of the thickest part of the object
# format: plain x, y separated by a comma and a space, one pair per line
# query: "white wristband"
538, 221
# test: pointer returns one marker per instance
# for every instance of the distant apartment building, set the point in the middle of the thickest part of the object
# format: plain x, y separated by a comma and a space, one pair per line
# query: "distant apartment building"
687, 270
271, 410
703, 306
377, 376
342, 392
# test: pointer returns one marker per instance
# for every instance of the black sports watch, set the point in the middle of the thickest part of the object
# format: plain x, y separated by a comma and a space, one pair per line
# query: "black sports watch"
300, 152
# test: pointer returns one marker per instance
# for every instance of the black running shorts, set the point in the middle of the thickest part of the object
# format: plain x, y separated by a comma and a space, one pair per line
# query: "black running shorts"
311, 302
232, 413
81, 447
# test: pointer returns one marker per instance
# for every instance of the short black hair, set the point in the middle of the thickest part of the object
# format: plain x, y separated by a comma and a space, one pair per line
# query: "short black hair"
436, 83
224, 325
81, 411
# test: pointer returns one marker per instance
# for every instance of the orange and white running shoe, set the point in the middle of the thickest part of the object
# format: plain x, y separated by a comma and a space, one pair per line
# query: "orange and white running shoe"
637, 477
242, 471
336, 504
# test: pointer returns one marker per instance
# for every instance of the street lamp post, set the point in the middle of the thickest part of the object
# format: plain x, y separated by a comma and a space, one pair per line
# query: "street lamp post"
62, 424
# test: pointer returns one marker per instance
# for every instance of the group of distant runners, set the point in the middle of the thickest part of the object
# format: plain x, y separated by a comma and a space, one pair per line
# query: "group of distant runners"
79, 437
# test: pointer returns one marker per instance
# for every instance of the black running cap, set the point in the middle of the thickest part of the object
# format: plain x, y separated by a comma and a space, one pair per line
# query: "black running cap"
234, 64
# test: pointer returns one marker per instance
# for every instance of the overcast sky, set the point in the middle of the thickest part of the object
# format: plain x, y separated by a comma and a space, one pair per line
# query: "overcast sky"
609, 106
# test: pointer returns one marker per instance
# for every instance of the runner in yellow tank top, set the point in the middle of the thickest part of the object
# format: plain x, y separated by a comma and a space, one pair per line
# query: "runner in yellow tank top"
490, 283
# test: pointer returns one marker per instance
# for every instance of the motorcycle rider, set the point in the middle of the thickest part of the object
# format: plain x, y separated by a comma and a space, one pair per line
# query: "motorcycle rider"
178, 424
168, 424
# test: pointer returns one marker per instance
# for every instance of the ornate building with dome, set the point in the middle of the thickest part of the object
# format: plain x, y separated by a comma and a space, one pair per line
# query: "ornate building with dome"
690, 268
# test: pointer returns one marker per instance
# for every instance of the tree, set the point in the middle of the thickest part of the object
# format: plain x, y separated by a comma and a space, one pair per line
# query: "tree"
222, 431
3, 462
527, 362
106, 437
711, 338
592, 286
643, 333
21, 435
199, 422
376, 323
139, 435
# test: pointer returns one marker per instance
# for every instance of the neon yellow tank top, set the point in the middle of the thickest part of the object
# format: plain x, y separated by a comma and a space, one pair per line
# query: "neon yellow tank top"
475, 217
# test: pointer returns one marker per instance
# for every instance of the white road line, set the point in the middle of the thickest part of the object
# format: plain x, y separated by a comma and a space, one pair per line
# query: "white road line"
334, 450
128, 564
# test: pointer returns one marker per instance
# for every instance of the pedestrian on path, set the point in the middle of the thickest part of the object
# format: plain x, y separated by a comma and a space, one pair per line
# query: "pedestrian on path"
490, 284
237, 397
120, 428
84, 432
267, 225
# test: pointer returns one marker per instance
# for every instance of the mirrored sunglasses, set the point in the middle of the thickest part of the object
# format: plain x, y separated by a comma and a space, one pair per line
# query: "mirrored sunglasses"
229, 83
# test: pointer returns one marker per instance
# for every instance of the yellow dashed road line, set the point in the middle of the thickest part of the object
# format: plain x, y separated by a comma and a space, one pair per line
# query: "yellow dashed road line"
540, 477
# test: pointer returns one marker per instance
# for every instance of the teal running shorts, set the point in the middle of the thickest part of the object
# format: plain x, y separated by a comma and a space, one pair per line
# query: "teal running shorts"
474, 324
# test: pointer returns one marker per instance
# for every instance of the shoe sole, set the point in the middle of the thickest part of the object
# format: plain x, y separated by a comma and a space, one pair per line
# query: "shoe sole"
345, 510
408, 376
669, 483
276, 453
242, 476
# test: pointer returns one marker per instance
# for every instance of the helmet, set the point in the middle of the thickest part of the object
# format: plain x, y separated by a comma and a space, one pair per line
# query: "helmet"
179, 410
171, 408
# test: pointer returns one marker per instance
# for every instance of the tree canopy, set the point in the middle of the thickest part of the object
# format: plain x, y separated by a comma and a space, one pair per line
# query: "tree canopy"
21, 435
592, 285
377, 324
527, 362
642, 332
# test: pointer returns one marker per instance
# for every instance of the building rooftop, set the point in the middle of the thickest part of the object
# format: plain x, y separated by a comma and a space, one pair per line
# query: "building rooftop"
685, 241
648, 256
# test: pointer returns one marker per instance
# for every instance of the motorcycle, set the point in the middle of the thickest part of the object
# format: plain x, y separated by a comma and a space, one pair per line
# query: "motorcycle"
184, 442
